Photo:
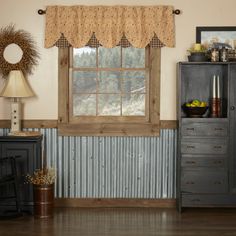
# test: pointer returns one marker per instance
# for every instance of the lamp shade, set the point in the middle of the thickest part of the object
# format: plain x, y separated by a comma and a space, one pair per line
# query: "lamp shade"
16, 86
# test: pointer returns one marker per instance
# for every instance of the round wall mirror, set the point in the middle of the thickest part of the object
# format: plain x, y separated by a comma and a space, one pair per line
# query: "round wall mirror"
12, 53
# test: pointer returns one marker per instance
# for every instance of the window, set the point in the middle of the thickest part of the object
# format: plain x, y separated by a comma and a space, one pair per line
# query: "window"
108, 83
106, 91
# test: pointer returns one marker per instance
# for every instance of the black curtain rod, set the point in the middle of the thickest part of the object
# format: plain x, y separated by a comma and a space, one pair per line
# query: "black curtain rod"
42, 12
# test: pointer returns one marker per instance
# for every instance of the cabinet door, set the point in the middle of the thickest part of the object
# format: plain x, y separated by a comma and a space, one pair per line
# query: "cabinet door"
232, 114
26, 163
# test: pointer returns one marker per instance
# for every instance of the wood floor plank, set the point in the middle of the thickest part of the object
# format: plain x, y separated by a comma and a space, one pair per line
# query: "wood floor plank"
125, 221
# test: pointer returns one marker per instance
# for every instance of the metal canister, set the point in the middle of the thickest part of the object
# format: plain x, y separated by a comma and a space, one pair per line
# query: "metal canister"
223, 54
43, 200
215, 56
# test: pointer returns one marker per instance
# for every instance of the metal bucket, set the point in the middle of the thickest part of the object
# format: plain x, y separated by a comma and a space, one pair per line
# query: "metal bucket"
43, 200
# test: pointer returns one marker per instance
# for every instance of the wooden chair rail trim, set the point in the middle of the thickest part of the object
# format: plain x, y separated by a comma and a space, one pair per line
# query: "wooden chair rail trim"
164, 124
31, 124
116, 202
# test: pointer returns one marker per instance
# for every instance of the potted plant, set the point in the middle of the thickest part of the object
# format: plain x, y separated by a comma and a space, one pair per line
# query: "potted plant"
198, 53
43, 191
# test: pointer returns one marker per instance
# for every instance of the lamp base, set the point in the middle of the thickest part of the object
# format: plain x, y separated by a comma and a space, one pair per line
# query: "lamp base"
15, 116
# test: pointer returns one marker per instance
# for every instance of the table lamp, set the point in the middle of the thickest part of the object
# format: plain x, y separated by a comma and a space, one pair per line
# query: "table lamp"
16, 87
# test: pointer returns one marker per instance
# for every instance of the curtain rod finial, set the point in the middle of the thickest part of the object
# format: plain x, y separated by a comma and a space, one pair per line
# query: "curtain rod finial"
41, 12
176, 12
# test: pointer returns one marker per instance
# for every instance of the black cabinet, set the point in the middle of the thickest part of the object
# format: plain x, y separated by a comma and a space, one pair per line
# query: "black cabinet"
29, 151
206, 158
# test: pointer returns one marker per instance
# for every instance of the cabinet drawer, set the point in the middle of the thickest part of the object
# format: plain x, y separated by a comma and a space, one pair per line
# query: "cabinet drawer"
191, 200
204, 181
203, 161
204, 146
204, 129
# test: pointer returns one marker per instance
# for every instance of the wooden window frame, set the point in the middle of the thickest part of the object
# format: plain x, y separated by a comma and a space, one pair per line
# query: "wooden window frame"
138, 127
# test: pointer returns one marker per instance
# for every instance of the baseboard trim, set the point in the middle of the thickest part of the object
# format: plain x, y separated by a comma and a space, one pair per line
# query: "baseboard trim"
116, 202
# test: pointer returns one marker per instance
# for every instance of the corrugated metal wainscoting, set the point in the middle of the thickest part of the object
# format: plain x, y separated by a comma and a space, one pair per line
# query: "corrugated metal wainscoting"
112, 167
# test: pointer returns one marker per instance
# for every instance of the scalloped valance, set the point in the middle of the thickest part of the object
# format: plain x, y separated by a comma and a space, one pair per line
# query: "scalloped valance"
109, 24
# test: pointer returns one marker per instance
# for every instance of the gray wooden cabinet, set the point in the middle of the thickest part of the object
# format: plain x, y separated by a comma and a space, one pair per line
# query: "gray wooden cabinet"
206, 158
29, 151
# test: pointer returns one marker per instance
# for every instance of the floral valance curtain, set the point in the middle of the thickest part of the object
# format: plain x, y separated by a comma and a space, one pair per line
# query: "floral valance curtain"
109, 26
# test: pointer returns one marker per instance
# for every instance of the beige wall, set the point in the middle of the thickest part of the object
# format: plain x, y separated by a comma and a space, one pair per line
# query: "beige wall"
24, 15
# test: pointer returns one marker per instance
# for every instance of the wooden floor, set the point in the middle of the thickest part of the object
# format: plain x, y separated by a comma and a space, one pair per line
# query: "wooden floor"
122, 222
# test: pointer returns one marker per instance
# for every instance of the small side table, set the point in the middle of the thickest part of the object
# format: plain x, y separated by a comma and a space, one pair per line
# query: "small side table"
30, 151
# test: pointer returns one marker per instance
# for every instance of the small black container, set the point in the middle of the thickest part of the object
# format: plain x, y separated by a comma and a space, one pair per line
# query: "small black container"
197, 57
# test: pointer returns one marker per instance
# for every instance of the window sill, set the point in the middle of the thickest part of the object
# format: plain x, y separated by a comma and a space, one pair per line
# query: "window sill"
106, 129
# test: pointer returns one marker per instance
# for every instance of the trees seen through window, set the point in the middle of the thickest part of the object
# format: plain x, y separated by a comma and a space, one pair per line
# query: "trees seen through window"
108, 82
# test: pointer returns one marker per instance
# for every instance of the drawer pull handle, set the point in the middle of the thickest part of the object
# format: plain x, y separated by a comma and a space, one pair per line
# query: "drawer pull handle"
195, 200
217, 147
190, 182
190, 162
219, 129
192, 129
190, 147
217, 182
217, 162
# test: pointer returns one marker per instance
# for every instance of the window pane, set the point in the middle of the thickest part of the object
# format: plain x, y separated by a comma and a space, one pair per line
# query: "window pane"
84, 104
109, 82
133, 105
84, 57
133, 57
109, 57
134, 81
84, 82
109, 104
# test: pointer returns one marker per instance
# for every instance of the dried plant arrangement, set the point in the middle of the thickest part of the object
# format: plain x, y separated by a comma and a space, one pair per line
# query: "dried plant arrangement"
44, 176
23, 39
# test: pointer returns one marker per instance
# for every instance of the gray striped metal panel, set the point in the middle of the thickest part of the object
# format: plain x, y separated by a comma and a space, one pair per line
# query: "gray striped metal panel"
112, 167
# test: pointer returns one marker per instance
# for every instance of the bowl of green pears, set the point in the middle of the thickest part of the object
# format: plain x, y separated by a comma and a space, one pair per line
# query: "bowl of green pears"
195, 108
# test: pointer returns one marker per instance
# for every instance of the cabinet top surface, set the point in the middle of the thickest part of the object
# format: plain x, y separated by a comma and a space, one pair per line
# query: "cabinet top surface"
207, 63
20, 138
